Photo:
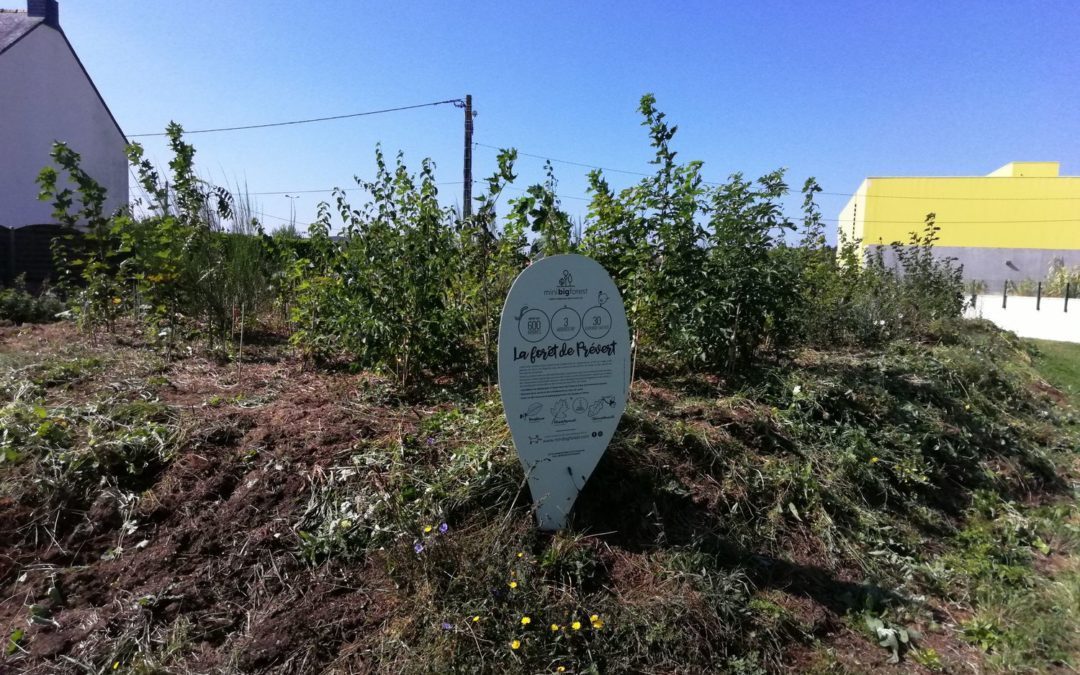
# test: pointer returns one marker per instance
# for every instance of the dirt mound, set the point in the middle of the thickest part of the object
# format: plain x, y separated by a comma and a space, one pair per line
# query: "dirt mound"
211, 541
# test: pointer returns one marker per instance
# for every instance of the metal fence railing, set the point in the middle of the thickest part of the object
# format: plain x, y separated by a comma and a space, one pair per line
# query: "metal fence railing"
1053, 294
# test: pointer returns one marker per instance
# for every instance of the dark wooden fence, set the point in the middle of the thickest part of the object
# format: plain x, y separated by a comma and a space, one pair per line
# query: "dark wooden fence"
28, 250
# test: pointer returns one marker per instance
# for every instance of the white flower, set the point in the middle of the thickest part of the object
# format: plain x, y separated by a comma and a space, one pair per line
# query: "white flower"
881, 322
796, 390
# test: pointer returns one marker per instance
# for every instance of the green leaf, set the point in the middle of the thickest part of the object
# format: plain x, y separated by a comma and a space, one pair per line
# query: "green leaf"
14, 639
1041, 546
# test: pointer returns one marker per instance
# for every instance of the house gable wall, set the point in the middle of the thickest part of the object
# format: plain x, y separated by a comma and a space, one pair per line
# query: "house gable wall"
47, 97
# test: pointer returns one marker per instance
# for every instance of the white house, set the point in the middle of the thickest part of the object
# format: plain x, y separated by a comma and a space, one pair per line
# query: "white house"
46, 95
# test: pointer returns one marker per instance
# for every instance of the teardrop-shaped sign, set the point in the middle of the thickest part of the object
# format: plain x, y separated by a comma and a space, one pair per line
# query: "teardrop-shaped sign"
564, 374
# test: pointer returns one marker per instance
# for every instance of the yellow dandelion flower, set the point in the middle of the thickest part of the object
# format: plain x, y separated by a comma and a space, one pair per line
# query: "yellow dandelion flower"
116, 301
428, 529
115, 665
516, 644
513, 584
521, 554
873, 460
476, 619
594, 618
525, 621
554, 628
576, 625
560, 669
598, 624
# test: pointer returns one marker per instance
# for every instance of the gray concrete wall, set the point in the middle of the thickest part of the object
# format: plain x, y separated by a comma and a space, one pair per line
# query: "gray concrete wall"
996, 265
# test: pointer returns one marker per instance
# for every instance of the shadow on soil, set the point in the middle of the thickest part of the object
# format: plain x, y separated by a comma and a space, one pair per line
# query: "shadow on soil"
639, 515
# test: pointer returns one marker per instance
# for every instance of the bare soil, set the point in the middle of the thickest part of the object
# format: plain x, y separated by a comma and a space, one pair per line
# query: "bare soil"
215, 542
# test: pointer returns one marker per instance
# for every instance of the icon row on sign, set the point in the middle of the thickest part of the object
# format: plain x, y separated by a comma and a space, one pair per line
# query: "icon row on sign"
534, 324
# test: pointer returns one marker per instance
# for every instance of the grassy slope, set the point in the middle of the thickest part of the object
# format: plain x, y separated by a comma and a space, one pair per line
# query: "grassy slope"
1059, 363
277, 519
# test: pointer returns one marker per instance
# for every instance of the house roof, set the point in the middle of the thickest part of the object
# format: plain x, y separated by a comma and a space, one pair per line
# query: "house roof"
14, 25
17, 24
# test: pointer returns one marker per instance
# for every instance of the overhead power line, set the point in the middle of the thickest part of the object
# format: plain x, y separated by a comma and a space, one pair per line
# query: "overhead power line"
566, 161
270, 215
820, 192
962, 199
303, 192
947, 221
311, 120
355, 189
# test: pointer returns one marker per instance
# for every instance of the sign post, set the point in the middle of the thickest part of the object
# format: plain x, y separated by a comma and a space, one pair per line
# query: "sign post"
564, 375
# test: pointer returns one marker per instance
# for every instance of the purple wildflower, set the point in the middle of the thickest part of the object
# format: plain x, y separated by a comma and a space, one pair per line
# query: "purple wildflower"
431, 440
443, 528
447, 626
418, 547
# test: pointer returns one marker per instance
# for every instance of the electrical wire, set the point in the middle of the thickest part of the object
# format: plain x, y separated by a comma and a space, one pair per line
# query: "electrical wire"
355, 189
307, 192
820, 192
310, 120
270, 215
566, 161
939, 220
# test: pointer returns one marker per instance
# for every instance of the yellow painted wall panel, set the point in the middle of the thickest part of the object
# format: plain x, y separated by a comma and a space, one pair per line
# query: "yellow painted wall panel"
1041, 169
983, 212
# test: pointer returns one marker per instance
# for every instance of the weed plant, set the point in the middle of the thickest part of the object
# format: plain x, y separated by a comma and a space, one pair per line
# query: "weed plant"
18, 305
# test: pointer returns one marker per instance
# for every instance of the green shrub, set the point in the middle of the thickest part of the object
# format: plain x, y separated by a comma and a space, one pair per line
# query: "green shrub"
711, 275
176, 269
868, 302
184, 262
1060, 276
382, 294
699, 293
18, 305
87, 256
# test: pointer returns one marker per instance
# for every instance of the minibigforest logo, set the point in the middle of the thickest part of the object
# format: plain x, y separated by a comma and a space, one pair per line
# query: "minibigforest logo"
565, 288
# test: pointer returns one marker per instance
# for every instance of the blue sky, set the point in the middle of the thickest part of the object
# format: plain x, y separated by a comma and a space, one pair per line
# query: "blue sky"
837, 90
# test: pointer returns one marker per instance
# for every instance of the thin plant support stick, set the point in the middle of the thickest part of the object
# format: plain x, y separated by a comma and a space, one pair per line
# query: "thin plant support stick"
240, 352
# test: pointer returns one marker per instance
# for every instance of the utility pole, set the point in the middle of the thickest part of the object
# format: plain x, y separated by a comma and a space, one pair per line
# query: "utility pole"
292, 209
466, 207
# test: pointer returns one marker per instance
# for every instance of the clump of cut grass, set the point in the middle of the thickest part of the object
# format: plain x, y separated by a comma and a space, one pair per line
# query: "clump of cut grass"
69, 449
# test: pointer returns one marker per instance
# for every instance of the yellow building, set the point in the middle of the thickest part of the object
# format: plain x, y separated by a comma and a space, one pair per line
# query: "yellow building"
1010, 224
